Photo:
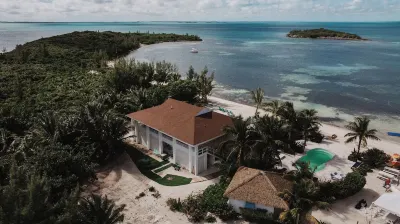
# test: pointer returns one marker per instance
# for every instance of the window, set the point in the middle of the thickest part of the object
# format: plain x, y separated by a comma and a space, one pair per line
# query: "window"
153, 130
182, 144
202, 151
250, 205
167, 137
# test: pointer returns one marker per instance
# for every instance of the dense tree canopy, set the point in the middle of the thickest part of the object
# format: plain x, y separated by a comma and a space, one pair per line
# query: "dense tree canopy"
62, 113
323, 33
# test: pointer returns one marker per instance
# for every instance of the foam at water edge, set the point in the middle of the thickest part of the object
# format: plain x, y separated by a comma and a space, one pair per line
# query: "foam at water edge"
347, 84
340, 69
301, 79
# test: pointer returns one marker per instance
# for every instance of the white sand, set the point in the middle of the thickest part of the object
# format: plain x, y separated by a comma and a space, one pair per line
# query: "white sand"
342, 211
123, 182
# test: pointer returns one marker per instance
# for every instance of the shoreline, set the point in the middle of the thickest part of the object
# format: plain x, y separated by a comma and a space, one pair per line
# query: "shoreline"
111, 63
387, 145
340, 124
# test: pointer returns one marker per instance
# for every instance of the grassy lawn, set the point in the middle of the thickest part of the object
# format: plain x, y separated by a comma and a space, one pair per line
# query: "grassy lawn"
162, 168
145, 164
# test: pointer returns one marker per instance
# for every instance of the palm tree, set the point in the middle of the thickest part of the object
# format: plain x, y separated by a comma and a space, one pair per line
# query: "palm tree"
8, 142
258, 97
309, 122
291, 216
48, 126
104, 128
305, 196
240, 145
272, 107
100, 210
270, 132
303, 171
360, 132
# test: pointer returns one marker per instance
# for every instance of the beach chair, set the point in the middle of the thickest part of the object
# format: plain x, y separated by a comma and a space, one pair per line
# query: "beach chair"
356, 165
384, 175
332, 137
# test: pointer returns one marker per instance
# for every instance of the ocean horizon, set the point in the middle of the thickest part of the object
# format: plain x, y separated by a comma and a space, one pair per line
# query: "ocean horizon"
340, 79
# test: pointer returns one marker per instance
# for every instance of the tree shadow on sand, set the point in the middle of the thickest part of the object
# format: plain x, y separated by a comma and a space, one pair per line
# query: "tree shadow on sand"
339, 162
345, 209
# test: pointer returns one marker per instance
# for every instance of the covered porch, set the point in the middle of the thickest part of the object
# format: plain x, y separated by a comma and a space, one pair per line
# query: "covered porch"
196, 159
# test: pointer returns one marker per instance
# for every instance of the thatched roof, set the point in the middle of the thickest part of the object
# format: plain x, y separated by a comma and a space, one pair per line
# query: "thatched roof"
258, 187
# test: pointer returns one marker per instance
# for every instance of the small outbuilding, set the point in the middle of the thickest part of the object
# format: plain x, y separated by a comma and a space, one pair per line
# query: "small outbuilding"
257, 189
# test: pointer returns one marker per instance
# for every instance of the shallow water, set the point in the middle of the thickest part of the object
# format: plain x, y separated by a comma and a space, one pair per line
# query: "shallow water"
338, 78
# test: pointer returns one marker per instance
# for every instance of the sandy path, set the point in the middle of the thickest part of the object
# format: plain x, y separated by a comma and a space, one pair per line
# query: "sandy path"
124, 182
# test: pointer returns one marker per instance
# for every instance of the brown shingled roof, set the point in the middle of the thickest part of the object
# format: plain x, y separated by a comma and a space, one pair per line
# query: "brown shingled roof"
186, 122
258, 187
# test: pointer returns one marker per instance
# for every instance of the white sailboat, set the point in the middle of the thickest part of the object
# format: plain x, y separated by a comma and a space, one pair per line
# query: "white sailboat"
194, 50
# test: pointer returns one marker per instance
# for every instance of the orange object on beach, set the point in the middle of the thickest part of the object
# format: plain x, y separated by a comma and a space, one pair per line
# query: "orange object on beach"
395, 160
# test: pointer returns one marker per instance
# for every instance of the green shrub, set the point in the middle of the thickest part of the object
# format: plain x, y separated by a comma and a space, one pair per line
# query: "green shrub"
174, 204
191, 206
215, 202
350, 185
363, 169
156, 194
257, 216
375, 158
316, 137
210, 219
297, 147
354, 156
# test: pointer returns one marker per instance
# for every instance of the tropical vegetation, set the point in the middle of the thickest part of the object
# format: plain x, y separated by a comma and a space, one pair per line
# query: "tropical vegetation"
360, 132
62, 114
323, 33
257, 142
197, 206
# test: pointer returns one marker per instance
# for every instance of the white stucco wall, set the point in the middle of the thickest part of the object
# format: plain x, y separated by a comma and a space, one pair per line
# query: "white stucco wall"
237, 204
154, 143
182, 156
201, 163
142, 135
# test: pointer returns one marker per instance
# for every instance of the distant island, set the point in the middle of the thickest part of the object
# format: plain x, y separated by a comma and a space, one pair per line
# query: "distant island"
323, 34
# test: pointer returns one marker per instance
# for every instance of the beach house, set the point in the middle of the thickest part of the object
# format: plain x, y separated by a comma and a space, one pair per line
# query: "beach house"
256, 189
188, 134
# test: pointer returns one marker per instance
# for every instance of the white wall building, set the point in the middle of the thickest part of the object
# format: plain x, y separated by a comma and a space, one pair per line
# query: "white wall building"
183, 131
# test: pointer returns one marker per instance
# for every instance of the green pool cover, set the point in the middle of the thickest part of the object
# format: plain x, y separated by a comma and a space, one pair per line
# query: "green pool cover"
317, 158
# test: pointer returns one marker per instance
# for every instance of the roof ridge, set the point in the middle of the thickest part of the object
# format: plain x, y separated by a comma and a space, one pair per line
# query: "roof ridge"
244, 182
269, 181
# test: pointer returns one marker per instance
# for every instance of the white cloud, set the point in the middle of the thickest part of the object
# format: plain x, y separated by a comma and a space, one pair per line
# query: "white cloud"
132, 10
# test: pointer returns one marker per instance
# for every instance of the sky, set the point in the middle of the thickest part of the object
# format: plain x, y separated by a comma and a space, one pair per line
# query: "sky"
199, 10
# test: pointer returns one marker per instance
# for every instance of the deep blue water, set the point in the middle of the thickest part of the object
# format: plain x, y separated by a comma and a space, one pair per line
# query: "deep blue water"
338, 78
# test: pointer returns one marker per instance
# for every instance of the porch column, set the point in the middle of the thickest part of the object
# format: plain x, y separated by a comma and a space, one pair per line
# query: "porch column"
136, 131
190, 158
196, 160
205, 160
173, 150
147, 137
160, 145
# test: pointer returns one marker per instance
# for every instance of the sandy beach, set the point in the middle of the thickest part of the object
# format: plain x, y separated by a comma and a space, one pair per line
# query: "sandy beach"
389, 146
342, 211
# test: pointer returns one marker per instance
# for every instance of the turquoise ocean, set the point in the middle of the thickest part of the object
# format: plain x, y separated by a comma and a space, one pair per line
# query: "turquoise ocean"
340, 79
